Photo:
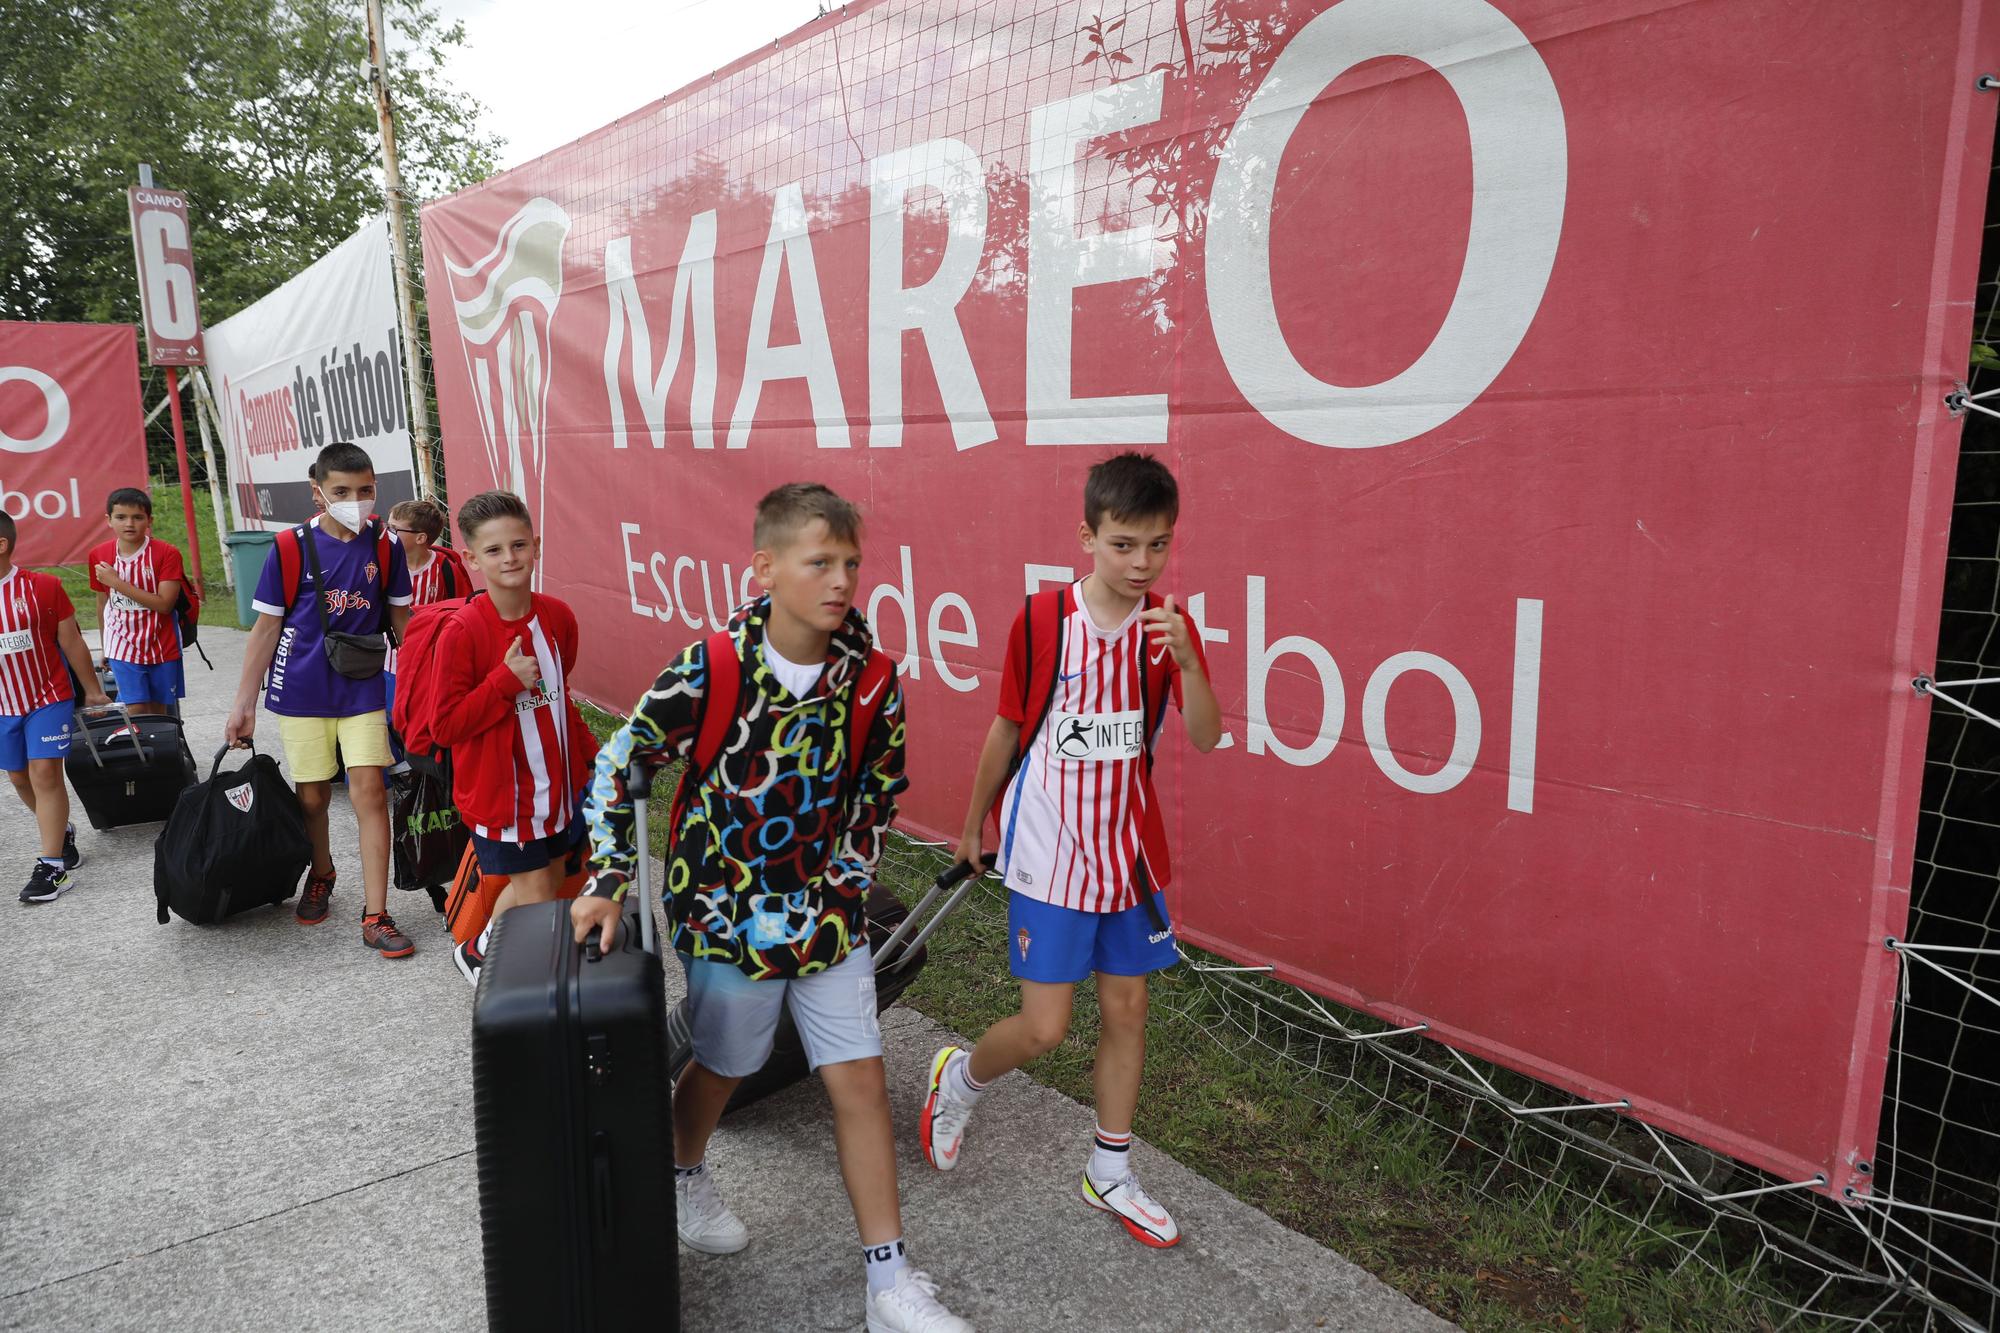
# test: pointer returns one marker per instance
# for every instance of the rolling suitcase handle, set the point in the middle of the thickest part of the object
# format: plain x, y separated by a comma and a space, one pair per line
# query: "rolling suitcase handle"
131, 732
638, 785
961, 874
639, 782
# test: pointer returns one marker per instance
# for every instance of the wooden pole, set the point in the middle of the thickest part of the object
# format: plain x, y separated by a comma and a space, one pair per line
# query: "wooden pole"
187, 490
399, 250
204, 408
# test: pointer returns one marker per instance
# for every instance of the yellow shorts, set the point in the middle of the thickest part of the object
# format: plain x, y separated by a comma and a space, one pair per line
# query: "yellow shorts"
309, 744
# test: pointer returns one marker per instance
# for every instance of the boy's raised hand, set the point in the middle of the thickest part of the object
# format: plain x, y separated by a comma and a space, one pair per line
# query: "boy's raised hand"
525, 668
1168, 628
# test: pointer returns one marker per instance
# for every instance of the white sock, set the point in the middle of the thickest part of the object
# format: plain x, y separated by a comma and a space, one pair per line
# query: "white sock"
485, 938
959, 1081
883, 1263
1112, 1157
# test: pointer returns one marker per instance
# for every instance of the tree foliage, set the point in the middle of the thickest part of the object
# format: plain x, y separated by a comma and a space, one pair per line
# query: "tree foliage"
257, 108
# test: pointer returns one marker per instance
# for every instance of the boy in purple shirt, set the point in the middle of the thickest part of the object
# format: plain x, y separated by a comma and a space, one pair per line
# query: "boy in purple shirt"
328, 591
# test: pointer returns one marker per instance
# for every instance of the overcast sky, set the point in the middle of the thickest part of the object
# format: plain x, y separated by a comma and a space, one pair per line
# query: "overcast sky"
552, 72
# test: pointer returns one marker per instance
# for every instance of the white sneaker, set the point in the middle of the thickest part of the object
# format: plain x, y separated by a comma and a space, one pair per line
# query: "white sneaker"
911, 1306
705, 1222
941, 1129
1149, 1223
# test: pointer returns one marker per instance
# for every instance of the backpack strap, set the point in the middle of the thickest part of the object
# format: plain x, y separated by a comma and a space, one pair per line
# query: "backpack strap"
1042, 641
719, 701
869, 693
290, 556
1155, 685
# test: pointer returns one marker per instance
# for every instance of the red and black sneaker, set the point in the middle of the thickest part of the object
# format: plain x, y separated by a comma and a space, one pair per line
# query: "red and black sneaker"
379, 932
314, 899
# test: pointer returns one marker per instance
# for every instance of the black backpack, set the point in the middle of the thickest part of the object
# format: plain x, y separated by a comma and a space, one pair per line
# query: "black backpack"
234, 842
187, 619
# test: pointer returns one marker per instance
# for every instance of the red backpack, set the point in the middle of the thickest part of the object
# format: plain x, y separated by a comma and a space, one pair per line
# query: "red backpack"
719, 705
417, 676
454, 577
1042, 631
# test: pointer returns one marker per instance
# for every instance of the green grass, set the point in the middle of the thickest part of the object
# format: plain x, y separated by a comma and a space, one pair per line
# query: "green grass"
1328, 1158
218, 605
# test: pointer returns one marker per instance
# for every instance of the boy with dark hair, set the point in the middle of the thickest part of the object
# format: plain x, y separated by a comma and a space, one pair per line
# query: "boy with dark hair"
1089, 671
137, 579
329, 590
519, 747
771, 852
38, 634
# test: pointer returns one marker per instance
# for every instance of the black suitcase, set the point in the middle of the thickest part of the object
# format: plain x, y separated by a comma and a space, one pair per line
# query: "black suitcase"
234, 842
572, 1111
901, 948
127, 769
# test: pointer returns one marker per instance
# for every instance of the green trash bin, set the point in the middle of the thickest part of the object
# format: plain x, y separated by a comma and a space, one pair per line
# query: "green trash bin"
247, 553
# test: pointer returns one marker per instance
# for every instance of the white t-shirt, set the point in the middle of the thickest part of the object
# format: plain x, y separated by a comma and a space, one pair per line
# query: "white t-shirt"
799, 679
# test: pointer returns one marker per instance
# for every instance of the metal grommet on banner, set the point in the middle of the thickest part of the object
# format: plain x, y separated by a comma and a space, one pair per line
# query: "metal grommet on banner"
1922, 684
1986, 83
1956, 400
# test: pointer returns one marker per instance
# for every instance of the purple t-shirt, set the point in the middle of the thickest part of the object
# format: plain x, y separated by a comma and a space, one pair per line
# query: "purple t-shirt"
301, 682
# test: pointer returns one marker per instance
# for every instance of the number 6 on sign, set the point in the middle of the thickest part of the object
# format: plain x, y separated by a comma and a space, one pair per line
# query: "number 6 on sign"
167, 294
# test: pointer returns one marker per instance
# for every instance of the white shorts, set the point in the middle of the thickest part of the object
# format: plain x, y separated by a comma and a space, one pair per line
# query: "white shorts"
734, 1019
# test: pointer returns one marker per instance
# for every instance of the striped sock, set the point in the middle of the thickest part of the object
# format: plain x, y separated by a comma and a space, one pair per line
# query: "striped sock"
958, 1077
1110, 1160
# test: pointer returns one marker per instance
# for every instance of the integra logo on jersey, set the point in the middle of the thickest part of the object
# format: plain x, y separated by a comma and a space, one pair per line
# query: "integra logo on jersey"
1095, 737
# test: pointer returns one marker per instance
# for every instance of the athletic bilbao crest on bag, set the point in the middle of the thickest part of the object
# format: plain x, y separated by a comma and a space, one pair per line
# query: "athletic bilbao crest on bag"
242, 797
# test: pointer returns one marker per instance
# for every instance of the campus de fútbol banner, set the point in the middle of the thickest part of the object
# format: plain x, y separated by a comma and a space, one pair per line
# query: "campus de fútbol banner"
1557, 394
320, 359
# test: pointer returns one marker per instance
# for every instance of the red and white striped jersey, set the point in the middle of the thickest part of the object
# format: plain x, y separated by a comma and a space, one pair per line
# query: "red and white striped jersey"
32, 675
1071, 819
131, 632
428, 585
541, 779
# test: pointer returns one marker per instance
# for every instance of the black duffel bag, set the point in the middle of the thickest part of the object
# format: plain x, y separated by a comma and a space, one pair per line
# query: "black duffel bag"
234, 842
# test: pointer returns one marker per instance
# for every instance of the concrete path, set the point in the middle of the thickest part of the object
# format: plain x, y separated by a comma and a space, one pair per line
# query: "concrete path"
263, 1125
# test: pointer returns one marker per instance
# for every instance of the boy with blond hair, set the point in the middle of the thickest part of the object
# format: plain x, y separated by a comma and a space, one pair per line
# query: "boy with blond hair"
771, 855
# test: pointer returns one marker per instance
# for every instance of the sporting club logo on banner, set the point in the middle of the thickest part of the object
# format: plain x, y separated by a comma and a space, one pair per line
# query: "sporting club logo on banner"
71, 431
505, 304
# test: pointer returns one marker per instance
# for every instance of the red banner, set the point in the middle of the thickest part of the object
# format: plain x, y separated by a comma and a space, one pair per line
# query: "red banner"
1561, 432
70, 433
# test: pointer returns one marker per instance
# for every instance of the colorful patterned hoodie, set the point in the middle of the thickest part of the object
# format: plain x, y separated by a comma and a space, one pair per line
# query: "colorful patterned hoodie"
773, 855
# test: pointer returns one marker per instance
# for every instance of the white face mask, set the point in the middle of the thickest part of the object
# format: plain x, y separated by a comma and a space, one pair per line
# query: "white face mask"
350, 514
